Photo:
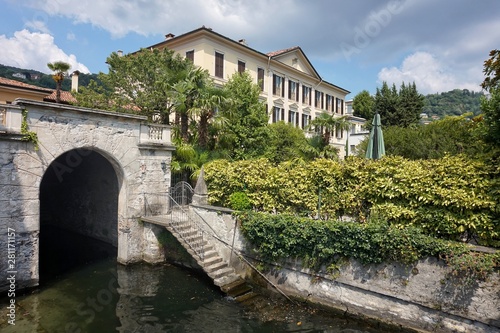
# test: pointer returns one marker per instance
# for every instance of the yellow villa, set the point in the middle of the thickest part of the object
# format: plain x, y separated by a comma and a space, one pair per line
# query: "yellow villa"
292, 89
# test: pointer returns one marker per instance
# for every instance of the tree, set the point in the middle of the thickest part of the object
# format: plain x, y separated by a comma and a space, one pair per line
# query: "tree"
286, 142
329, 124
137, 83
60, 68
205, 109
386, 104
401, 108
491, 70
363, 104
411, 104
451, 135
491, 105
192, 81
245, 133
491, 109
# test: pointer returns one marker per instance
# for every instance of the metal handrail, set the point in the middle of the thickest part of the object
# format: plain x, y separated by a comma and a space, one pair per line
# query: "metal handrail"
177, 216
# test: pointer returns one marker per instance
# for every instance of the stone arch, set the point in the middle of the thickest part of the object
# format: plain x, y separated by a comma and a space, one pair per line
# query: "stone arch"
82, 192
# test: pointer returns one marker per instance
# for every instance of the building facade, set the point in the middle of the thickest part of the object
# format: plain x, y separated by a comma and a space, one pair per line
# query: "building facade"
292, 89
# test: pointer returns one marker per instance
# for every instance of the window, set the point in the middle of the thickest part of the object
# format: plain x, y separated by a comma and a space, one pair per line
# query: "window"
340, 106
278, 85
318, 102
329, 103
190, 55
219, 64
306, 95
293, 90
278, 114
260, 78
339, 133
293, 118
306, 120
241, 66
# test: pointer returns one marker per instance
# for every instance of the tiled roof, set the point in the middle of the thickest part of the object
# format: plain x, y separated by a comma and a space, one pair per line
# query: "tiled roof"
275, 53
66, 97
19, 84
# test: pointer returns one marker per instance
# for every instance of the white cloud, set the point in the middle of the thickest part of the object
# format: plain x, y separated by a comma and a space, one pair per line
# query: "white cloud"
429, 74
38, 26
33, 50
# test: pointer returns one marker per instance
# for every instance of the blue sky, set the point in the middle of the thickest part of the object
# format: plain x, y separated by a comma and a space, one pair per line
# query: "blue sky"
357, 44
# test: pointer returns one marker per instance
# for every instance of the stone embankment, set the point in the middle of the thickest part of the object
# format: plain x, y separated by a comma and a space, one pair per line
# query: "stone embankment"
423, 296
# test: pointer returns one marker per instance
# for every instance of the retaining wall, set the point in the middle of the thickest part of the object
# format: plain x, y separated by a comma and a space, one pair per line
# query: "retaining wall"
423, 296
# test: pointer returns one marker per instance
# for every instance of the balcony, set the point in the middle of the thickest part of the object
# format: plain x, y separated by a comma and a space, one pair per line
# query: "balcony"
155, 135
11, 119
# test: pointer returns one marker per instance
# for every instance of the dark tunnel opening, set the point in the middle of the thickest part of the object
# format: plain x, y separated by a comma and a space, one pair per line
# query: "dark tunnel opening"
78, 212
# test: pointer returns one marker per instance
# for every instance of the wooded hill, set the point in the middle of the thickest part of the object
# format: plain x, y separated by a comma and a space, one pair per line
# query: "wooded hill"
40, 79
453, 103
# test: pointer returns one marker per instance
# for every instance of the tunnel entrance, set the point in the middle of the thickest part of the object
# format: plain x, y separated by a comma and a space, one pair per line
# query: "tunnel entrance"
78, 212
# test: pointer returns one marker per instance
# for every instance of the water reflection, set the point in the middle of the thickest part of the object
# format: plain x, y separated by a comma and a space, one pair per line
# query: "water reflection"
106, 297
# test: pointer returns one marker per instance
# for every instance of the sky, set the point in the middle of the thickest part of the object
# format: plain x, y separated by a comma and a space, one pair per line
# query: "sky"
356, 44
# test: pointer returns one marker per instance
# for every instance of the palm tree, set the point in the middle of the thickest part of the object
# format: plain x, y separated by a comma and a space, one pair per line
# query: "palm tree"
330, 124
211, 99
184, 94
60, 68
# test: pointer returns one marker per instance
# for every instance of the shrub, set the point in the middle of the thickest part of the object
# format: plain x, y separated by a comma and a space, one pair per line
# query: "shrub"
239, 201
452, 198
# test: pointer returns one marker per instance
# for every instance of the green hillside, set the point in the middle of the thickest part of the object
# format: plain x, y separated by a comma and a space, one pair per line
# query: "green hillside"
40, 79
453, 103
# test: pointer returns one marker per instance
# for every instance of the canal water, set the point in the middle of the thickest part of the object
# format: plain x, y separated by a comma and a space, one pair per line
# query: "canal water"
103, 296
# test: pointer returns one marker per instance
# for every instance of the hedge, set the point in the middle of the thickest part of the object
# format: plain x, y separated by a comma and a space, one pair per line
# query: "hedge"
452, 198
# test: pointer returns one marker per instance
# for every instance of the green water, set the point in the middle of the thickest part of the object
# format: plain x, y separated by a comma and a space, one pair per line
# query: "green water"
83, 289
106, 297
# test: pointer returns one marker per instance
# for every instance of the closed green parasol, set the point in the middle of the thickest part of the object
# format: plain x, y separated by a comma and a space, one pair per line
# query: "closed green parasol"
376, 147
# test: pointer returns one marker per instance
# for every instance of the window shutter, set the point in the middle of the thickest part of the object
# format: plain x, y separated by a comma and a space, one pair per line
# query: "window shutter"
283, 114
274, 84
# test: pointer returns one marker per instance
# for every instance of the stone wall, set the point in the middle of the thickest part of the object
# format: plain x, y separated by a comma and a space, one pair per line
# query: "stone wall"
139, 161
423, 296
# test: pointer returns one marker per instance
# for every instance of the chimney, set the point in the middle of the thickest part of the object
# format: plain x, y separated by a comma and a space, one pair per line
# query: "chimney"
74, 81
243, 42
120, 53
169, 36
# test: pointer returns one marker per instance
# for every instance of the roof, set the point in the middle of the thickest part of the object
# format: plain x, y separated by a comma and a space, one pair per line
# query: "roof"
18, 84
275, 53
272, 55
66, 97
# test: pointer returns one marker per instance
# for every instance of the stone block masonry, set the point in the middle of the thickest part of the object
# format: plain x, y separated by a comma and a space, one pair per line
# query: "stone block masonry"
82, 153
423, 296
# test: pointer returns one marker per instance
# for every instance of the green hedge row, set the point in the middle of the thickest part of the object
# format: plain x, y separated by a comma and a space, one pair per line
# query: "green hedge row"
328, 242
453, 197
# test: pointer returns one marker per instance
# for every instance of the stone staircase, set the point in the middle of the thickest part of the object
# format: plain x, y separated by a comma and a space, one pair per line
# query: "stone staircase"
202, 249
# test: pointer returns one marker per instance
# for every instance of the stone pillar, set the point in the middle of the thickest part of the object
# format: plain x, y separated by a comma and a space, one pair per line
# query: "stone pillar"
200, 196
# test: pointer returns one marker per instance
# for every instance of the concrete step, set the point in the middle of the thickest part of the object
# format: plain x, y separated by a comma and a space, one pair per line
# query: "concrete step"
246, 297
210, 254
236, 288
225, 271
222, 281
235, 284
212, 260
214, 267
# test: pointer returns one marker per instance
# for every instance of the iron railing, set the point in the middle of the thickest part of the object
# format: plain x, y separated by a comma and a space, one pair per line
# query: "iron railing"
173, 210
